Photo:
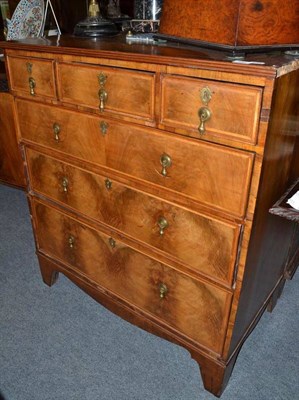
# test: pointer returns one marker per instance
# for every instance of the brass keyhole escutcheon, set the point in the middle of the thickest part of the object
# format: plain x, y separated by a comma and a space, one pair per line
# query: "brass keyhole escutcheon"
166, 162
112, 243
163, 224
102, 78
103, 96
29, 66
204, 115
108, 184
205, 95
56, 130
65, 184
162, 290
71, 241
32, 86
104, 127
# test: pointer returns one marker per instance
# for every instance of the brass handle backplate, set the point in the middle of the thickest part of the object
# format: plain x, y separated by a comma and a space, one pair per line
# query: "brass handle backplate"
166, 162
65, 184
32, 86
56, 130
103, 95
162, 290
71, 241
162, 224
204, 115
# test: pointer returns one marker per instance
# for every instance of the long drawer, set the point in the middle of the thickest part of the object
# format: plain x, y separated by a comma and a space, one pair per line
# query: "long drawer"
204, 244
214, 175
196, 309
106, 89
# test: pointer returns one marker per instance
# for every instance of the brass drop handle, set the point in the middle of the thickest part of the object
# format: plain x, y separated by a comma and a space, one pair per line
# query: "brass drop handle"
204, 115
163, 290
108, 184
163, 224
103, 96
65, 184
166, 162
56, 130
32, 85
71, 241
112, 243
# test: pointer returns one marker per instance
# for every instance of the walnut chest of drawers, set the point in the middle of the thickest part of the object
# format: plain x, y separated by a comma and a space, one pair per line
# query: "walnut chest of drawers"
150, 173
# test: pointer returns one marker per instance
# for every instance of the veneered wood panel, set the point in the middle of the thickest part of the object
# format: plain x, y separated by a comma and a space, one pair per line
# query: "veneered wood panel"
128, 92
204, 244
266, 22
235, 109
233, 22
214, 175
215, 21
11, 163
135, 277
271, 236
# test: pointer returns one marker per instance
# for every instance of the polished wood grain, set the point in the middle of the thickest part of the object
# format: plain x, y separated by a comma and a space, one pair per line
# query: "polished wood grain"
216, 176
265, 264
234, 109
134, 277
234, 23
217, 21
11, 163
268, 23
203, 244
214, 372
210, 63
128, 92
42, 73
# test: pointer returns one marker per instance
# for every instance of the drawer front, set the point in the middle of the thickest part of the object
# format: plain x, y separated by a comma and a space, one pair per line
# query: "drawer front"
196, 309
113, 90
203, 244
213, 175
32, 76
234, 109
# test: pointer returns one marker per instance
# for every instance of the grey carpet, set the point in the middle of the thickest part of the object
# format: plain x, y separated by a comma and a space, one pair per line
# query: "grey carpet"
57, 343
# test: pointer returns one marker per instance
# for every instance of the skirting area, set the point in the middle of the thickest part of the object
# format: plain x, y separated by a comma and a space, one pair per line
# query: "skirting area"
57, 343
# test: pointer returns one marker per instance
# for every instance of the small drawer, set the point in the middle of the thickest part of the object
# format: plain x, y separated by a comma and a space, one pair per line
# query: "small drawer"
32, 77
201, 243
214, 175
210, 109
111, 90
198, 310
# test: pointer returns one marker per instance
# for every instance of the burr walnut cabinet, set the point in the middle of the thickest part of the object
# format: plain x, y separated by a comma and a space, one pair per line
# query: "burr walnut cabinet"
150, 172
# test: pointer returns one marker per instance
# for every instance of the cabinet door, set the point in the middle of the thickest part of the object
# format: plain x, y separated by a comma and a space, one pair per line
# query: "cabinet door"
11, 168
